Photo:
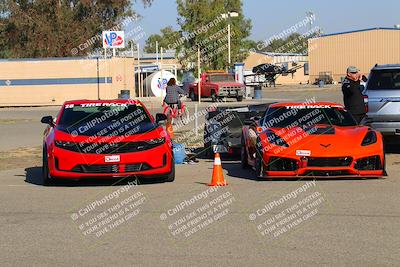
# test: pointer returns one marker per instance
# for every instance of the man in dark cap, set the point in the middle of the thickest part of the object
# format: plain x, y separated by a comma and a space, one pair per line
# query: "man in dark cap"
352, 96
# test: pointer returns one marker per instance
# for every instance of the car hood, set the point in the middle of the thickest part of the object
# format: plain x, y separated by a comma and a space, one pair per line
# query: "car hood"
323, 141
228, 84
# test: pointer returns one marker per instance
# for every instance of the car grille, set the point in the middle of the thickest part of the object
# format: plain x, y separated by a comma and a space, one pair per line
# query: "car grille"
110, 148
231, 88
96, 169
329, 162
137, 167
369, 163
103, 168
282, 164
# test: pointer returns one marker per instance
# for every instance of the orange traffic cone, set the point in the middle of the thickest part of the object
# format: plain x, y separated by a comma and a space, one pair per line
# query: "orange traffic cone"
169, 128
217, 175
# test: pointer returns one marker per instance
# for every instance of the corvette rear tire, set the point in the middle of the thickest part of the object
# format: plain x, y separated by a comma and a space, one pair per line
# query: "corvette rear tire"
259, 167
171, 176
243, 155
46, 179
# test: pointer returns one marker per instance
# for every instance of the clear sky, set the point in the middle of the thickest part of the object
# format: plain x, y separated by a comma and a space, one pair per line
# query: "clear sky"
270, 17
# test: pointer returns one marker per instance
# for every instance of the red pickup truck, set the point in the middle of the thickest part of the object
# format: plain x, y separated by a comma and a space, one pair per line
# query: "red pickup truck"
217, 85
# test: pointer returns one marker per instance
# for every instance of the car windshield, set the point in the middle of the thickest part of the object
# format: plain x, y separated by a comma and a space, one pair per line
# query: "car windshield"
306, 116
384, 80
104, 119
222, 78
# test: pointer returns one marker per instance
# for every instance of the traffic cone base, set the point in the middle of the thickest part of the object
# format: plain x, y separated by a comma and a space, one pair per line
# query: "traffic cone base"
217, 175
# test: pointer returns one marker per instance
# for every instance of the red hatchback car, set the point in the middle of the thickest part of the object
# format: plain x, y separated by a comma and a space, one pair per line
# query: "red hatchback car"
106, 138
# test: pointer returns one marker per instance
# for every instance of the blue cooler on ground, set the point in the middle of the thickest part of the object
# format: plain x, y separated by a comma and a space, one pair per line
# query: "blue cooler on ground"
179, 153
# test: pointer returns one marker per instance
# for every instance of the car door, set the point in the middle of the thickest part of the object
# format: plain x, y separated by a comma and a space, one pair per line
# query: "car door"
383, 90
206, 86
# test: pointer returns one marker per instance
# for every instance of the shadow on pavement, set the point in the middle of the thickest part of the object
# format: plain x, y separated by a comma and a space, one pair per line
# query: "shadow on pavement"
235, 170
34, 176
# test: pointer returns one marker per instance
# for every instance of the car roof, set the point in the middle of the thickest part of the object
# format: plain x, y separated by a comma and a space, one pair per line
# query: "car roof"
119, 101
311, 104
386, 66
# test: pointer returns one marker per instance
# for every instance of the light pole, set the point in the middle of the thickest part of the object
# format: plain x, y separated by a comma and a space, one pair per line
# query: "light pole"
310, 15
228, 16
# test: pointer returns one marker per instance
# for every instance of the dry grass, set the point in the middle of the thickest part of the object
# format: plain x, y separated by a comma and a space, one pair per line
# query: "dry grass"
21, 158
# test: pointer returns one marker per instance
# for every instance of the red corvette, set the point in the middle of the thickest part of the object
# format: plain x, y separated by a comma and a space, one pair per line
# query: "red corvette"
311, 140
110, 138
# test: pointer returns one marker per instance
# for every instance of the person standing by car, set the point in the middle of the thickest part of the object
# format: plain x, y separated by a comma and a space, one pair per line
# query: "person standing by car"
352, 96
172, 93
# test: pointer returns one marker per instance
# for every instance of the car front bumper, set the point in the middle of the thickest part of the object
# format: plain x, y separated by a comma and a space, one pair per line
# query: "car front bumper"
302, 170
230, 92
72, 165
386, 128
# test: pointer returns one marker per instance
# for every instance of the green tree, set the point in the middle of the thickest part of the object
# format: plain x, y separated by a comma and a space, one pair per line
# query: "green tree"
57, 28
202, 27
168, 36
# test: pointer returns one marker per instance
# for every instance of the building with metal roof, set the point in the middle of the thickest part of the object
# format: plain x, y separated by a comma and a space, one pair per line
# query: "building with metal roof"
331, 54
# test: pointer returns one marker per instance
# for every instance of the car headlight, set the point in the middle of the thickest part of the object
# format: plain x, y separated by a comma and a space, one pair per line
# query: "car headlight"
369, 139
156, 141
276, 139
64, 144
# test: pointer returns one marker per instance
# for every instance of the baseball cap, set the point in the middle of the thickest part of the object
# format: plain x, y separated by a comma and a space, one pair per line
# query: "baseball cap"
352, 69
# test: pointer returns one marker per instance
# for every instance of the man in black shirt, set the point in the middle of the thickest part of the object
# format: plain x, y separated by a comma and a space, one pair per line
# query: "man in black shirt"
352, 96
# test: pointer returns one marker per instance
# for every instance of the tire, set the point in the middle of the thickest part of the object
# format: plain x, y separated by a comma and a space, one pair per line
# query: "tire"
46, 178
259, 167
244, 156
192, 96
239, 98
171, 176
213, 96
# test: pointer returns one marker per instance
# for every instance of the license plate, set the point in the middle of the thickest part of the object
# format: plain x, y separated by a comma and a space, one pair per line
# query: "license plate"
113, 158
303, 153
220, 149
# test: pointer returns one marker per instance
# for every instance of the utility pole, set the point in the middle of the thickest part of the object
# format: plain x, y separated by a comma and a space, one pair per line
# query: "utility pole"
139, 71
162, 79
98, 79
198, 75
157, 52
228, 16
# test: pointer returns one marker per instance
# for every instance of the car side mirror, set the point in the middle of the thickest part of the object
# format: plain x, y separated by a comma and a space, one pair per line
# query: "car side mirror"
47, 120
160, 117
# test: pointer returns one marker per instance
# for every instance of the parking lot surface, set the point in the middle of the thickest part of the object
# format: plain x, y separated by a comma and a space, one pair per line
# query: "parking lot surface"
247, 223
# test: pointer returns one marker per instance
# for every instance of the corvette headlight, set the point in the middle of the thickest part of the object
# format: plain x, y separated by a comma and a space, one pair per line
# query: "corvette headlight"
369, 139
276, 140
157, 141
63, 144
